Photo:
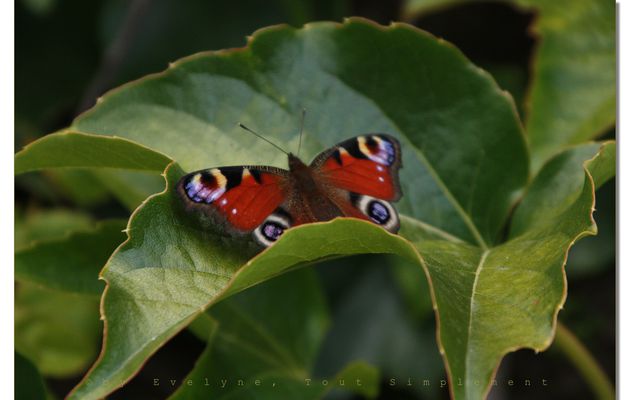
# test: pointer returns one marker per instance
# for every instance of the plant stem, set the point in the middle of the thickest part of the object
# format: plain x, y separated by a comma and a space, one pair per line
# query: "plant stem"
584, 361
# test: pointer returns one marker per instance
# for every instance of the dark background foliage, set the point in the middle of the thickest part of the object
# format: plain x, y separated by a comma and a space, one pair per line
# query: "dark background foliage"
69, 52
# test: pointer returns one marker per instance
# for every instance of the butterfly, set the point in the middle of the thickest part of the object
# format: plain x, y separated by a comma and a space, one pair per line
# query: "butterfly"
355, 178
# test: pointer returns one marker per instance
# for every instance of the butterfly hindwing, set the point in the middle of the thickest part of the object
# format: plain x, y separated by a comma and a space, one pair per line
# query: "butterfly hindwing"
238, 198
367, 165
379, 211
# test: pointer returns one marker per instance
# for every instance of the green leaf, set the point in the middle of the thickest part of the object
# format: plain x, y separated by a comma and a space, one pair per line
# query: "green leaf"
372, 322
465, 161
29, 384
195, 124
595, 254
58, 331
514, 291
79, 186
131, 188
72, 262
270, 334
414, 7
135, 167
47, 225
573, 96
558, 185
519, 280
163, 287
79, 150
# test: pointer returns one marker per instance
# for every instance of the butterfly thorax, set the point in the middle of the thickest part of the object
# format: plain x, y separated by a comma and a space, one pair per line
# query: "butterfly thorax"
307, 191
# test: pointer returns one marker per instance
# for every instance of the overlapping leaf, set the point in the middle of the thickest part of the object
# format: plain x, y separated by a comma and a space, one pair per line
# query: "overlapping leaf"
59, 332
29, 384
464, 160
70, 262
265, 345
572, 93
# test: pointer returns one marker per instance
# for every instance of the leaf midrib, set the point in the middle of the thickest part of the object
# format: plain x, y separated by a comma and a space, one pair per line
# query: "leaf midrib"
478, 270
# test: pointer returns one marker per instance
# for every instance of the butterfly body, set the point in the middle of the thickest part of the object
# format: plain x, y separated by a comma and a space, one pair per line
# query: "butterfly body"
356, 178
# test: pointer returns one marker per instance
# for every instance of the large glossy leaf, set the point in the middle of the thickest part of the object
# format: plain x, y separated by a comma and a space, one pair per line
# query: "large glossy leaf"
464, 161
156, 288
270, 334
482, 296
190, 113
497, 300
573, 85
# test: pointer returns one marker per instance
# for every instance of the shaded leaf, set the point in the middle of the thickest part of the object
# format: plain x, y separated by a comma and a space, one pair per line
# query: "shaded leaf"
58, 331
270, 334
413, 7
29, 384
40, 99
130, 187
71, 262
372, 322
78, 186
572, 95
167, 31
47, 225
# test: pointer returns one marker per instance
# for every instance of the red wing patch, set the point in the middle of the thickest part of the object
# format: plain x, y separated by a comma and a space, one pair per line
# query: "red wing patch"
365, 165
242, 196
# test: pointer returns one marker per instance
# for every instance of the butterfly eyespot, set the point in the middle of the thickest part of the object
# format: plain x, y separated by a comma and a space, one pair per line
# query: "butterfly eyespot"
378, 212
377, 149
272, 228
205, 187
272, 231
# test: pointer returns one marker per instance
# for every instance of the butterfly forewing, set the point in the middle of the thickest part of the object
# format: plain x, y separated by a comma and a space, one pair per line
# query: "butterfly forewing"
238, 197
366, 169
366, 164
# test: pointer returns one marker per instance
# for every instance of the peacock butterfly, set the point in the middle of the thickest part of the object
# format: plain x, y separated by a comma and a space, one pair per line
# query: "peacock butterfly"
356, 178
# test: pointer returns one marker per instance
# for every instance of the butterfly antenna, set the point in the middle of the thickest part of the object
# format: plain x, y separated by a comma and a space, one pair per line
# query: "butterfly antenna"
301, 130
263, 138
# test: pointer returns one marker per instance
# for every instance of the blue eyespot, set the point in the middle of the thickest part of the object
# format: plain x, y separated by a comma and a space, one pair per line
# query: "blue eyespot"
378, 212
272, 230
